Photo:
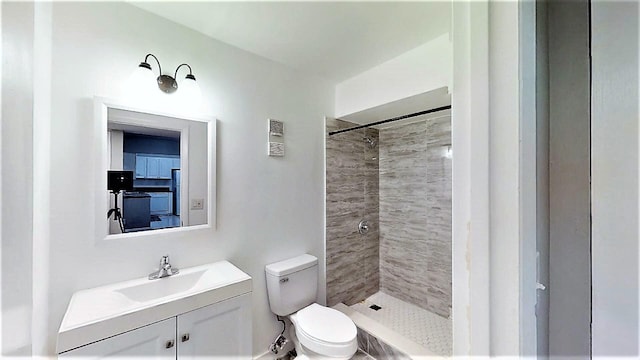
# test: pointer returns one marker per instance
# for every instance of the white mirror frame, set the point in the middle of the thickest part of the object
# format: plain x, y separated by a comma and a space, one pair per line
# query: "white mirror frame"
101, 120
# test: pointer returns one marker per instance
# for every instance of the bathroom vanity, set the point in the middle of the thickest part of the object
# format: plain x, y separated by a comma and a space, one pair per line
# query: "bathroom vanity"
201, 311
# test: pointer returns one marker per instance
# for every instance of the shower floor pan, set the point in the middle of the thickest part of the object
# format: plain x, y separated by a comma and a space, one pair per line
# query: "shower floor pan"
399, 329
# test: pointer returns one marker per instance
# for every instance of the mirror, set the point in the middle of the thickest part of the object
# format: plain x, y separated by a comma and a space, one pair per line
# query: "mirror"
157, 173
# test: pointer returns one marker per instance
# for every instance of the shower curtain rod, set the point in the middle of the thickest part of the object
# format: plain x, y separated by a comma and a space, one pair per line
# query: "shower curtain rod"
393, 119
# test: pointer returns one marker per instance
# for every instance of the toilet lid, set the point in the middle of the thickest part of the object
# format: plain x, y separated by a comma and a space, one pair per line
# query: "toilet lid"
326, 324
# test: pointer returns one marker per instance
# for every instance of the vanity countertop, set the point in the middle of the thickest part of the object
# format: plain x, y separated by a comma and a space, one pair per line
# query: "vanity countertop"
97, 313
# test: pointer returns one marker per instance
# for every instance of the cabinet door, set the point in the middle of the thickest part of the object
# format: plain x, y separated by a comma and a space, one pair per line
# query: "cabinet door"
149, 342
152, 168
221, 330
160, 203
165, 164
141, 167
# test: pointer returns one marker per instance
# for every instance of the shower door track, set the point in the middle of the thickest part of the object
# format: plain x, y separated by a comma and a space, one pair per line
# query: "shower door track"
392, 119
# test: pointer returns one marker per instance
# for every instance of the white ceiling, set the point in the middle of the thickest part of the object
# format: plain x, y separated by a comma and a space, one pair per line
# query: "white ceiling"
335, 40
410, 105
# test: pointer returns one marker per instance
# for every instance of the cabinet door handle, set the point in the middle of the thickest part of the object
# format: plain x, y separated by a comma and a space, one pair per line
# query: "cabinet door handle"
169, 344
185, 337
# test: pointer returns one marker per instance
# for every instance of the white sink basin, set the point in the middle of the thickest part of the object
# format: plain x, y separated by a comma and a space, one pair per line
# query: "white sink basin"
159, 288
98, 313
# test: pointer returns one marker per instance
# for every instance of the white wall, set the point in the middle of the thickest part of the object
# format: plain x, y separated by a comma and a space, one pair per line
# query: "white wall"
268, 208
41, 170
17, 176
470, 179
528, 183
115, 147
504, 173
488, 229
425, 68
614, 178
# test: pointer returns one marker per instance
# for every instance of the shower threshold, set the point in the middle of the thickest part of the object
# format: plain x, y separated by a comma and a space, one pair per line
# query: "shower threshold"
398, 329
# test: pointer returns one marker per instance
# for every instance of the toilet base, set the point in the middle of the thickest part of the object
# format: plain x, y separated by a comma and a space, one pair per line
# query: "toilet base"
306, 354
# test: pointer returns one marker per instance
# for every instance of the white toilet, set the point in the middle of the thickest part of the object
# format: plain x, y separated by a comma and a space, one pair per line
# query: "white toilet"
318, 332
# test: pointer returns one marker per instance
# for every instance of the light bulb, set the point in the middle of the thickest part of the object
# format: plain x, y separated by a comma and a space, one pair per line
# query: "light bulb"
189, 91
141, 86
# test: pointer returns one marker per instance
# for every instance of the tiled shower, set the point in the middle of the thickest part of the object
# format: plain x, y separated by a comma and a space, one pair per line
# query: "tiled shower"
353, 259
398, 180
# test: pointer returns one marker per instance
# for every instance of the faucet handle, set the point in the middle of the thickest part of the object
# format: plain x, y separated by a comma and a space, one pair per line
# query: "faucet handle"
164, 269
164, 260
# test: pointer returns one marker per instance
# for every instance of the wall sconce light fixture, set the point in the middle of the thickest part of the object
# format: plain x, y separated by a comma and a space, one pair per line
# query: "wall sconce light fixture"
167, 83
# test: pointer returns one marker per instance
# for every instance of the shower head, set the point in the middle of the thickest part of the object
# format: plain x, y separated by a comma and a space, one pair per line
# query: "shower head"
372, 142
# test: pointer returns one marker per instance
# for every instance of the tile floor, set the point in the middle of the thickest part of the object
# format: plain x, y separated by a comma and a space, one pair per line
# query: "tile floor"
361, 355
421, 326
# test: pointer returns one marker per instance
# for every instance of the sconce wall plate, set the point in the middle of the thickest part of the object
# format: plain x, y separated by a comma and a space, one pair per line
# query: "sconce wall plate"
167, 84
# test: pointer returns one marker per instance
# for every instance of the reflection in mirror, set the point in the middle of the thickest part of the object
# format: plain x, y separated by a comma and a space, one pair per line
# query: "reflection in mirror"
152, 156
166, 159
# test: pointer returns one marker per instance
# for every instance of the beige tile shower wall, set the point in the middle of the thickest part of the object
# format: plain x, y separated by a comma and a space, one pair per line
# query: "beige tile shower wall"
371, 211
415, 213
352, 195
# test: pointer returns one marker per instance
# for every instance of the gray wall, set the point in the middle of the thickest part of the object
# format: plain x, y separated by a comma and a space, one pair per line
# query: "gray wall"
352, 195
542, 178
415, 214
569, 180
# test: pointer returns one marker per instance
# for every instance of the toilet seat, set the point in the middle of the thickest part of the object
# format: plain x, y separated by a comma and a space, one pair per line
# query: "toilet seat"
325, 331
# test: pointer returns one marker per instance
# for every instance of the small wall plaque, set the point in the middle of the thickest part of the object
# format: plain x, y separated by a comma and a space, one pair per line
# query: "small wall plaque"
276, 149
276, 128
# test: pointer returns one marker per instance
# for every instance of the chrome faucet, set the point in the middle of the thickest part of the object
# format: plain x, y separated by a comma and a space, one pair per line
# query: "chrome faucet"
164, 269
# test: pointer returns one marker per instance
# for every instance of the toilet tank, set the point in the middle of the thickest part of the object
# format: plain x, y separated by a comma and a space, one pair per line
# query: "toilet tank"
292, 284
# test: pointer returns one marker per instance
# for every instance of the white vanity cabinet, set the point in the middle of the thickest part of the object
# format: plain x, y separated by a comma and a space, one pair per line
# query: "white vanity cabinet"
221, 330
150, 342
201, 312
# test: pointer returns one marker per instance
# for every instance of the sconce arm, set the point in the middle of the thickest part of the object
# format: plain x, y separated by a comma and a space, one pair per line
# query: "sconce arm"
175, 76
157, 61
